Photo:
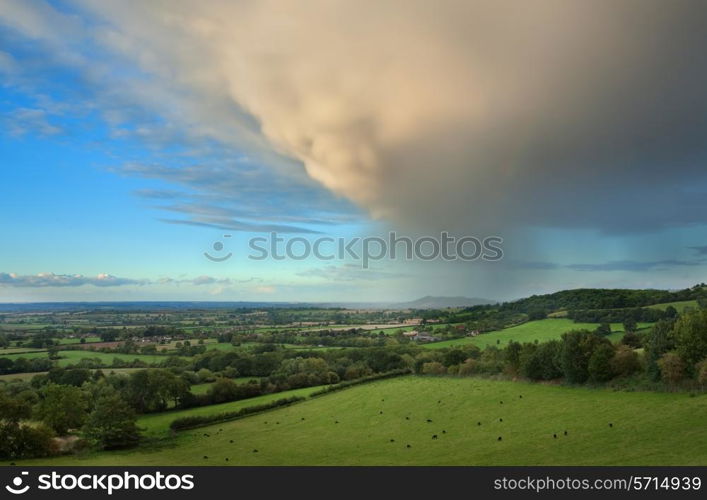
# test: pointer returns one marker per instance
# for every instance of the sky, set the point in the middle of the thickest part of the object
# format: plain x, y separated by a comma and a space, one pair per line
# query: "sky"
143, 145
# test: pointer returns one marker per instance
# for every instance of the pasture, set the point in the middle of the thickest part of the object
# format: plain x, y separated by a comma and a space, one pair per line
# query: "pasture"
541, 330
680, 306
439, 421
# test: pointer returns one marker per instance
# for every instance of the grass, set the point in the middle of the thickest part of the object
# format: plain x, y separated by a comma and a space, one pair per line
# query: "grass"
541, 330
648, 429
73, 357
157, 424
10, 377
680, 306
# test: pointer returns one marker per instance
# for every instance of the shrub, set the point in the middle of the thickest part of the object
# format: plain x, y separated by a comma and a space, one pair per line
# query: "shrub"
599, 366
672, 368
112, 423
433, 368
625, 361
701, 370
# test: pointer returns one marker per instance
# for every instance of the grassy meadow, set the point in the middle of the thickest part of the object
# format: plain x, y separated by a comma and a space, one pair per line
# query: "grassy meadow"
393, 422
541, 330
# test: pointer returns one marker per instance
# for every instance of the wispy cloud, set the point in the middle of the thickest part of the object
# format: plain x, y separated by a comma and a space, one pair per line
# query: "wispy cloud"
234, 225
21, 121
42, 280
610, 266
65, 280
634, 266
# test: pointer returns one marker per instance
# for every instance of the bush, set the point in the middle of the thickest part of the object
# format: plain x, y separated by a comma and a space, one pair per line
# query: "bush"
63, 407
599, 366
625, 362
112, 423
672, 368
26, 441
701, 370
433, 368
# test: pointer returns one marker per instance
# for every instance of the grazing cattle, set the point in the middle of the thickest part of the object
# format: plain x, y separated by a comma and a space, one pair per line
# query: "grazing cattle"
610, 424
434, 436
407, 418
554, 436
231, 441
565, 433
206, 435
302, 418
429, 421
500, 438
336, 422
392, 440
501, 402
444, 432
255, 451
277, 423
520, 396
380, 412
500, 420
205, 457
478, 423
408, 446
226, 459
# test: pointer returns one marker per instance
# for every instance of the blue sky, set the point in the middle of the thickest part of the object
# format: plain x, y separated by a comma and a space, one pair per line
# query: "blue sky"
134, 138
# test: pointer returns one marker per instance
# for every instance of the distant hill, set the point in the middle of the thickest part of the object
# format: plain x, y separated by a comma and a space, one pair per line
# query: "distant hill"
430, 302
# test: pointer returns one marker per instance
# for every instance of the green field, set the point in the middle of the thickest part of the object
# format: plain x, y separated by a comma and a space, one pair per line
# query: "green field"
680, 306
541, 330
157, 424
73, 357
648, 429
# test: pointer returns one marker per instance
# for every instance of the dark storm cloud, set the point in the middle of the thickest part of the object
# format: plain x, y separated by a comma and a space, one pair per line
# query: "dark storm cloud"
455, 114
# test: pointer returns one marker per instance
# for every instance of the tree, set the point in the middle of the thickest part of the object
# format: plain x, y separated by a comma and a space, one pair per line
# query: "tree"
19, 440
603, 329
541, 362
223, 390
630, 325
62, 407
701, 370
659, 341
672, 368
599, 366
112, 423
631, 339
691, 337
512, 352
151, 390
577, 348
625, 361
